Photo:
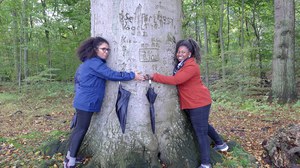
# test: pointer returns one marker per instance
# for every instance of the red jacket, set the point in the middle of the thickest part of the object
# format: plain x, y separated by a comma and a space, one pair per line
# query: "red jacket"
192, 92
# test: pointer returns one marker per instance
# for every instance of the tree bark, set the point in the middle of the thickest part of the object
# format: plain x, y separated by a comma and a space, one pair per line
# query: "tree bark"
197, 24
283, 77
205, 44
17, 63
222, 39
142, 36
242, 26
228, 25
47, 34
242, 38
25, 36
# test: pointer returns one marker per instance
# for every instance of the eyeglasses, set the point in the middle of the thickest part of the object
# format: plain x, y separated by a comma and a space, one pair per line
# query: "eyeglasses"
105, 49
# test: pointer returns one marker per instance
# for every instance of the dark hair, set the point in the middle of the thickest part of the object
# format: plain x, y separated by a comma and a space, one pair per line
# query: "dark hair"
192, 46
87, 48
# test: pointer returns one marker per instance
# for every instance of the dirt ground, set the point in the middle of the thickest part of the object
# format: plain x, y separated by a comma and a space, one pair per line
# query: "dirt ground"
28, 122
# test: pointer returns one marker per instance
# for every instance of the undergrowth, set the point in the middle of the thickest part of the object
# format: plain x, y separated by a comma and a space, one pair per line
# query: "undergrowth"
240, 101
49, 105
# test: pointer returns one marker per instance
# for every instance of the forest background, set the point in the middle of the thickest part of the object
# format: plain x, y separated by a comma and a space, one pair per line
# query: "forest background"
38, 60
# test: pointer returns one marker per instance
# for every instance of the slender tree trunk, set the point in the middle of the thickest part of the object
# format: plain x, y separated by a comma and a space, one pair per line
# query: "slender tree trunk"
257, 41
16, 49
20, 69
283, 77
228, 26
197, 26
25, 37
142, 36
242, 26
47, 34
222, 39
206, 52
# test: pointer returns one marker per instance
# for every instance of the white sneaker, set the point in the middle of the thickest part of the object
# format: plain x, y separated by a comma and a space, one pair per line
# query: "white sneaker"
223, 148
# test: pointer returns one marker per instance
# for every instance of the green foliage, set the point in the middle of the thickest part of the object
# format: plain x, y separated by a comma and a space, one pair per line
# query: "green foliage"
7, 97
31, 135
44, 90
2, 139
297, 104
46, 75
225, 94
250, 61
237, 157
49, 32
57, 133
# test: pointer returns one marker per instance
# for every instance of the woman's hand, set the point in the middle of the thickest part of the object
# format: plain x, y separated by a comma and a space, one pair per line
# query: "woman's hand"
148, 76
139, 76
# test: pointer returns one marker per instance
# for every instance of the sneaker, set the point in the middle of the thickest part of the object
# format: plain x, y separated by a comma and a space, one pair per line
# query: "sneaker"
205, 166
78, 160
223, 148
66, 164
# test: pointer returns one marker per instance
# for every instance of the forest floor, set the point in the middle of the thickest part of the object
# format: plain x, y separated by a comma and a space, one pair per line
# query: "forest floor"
28, 121
251, 129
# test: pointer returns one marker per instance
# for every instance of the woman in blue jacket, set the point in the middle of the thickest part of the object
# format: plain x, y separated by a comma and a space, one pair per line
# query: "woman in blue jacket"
90, 80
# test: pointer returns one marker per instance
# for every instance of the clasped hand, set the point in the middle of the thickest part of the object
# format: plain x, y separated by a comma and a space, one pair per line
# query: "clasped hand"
140, 77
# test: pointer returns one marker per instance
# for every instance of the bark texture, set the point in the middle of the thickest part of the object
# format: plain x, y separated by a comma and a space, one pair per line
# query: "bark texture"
283, 79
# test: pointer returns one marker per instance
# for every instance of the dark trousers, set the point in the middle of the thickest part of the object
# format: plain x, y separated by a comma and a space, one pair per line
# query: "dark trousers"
82, 125
199, 119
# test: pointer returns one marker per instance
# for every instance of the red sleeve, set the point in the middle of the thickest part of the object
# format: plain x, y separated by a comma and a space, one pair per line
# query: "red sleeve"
183, 75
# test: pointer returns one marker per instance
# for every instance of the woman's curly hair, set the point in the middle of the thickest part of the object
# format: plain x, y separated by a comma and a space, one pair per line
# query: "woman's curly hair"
87, 48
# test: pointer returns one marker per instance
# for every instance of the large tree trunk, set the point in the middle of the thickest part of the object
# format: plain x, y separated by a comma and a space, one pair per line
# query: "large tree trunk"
142, 36
283, 79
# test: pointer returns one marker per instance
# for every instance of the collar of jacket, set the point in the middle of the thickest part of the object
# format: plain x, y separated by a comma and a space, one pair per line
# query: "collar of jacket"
103, 60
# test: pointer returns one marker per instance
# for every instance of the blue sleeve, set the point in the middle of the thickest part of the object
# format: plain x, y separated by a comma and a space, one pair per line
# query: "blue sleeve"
103, 71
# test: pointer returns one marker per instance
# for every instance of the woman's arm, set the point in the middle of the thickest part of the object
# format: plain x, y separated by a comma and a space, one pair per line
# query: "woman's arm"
180, 77
103, 71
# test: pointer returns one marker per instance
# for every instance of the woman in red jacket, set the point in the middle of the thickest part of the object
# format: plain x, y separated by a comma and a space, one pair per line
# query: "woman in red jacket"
194, 97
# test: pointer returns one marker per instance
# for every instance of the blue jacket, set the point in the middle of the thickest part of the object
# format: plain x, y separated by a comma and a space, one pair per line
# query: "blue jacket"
90, 79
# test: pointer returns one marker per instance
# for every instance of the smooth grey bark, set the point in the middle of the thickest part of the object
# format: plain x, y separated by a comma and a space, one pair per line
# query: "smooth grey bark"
142, 36
283, 75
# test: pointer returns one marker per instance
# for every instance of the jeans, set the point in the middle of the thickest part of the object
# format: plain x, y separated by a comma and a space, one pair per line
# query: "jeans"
199, 119
79, 131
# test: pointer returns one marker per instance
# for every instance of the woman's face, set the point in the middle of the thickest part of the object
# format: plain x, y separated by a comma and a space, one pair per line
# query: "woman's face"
182, 53
103, 51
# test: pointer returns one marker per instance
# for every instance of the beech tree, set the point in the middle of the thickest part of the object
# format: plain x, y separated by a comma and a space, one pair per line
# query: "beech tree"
142, 36
283, 79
